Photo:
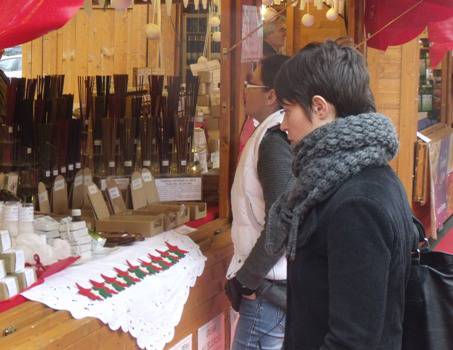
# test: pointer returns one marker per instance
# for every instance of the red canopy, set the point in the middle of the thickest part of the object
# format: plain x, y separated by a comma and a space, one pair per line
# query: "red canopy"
25, 20
437, 15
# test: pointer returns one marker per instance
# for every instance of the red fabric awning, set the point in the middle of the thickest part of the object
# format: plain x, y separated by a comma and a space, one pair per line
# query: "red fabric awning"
437, 15
25, 20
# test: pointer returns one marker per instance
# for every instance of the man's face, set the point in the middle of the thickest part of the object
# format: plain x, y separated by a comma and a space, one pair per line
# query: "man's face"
277, 38
255, 95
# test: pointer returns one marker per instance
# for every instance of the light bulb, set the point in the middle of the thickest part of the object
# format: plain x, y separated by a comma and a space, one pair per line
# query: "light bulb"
308, 20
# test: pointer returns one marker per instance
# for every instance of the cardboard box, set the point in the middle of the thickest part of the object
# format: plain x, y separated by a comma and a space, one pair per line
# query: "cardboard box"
197, 210
215, 111
174, 214
148, 225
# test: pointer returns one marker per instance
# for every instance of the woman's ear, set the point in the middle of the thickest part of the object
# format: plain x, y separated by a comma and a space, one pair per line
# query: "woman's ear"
271, 97
322, 110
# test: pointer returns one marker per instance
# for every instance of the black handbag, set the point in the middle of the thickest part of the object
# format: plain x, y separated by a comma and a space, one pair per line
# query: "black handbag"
428, 316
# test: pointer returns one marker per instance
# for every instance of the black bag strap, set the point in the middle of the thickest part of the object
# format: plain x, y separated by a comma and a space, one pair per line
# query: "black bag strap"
419, 230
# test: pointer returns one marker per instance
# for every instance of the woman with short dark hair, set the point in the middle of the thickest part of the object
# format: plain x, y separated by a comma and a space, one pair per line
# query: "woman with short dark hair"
346, 225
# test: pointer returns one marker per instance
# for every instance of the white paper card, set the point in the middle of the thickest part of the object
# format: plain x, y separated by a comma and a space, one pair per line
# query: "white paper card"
59, 185
2, 269
6, 240
211, 336
185, 344
137, 184
78, 181
11, 285
43, 197
20, 260
29, 275
114, 192
179, 189
93, 189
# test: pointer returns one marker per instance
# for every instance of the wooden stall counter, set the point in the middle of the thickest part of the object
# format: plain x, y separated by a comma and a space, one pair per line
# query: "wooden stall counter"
35, 326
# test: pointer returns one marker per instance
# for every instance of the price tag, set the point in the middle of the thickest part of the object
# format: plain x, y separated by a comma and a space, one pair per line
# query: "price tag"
165, 163
88, 180
63, 170
111, 164
59, 185
92, 189
55, 173
78, 181
97, 142
78, 165
71, 167
128, 163
183, 162
147, 177
43, 197
47, 173
28, 150
146, 163
137, 184
114, 192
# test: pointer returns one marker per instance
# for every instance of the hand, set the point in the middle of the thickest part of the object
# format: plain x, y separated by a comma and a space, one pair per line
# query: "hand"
233, 292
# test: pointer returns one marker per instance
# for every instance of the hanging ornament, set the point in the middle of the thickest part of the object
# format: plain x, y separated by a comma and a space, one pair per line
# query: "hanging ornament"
120, 4
214, 21
318, 4
302, 5
168, 6
186, 3
216, 36
152, 31
202, 59
340, 8
332, 14
196, 4
205, 4
308, 20
267, 2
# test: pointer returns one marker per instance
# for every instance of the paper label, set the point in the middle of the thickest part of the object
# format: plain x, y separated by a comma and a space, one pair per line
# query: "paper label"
59, 185
11, 212
63, 170
423, 137
137, 184
88, 180
78, 181
146, 163
114, 192
215, 159
165, 163
26, 214
183, 162
179, 189
78, 165
97, 142
146, 176
128, 163
71, 167
28, 150
6, 239
103, 184
111, 164
185, 344
93, 189
43, 197
55, 173
11, 285
10, 129
47, 173
20, 260
29, 275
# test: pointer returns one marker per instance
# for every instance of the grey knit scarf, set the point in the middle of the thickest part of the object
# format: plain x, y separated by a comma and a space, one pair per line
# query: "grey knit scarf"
325, 159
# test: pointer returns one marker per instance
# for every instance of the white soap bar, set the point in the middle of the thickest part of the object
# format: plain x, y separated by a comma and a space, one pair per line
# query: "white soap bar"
8, 287
73, 226
76, 235
80, 241
14, 260
25, 278
46, 223
80, 249
5, 240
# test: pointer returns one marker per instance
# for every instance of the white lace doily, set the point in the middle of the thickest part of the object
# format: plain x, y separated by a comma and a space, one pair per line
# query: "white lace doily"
150, 309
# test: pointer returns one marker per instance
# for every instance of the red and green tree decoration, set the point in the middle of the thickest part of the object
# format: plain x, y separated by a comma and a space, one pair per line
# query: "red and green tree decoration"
133, 275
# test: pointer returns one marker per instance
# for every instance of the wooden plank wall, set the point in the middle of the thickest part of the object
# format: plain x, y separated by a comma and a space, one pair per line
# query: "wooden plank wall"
103, 42
394, 81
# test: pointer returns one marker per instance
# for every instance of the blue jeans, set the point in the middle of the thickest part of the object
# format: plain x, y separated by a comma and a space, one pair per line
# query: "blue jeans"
261, 326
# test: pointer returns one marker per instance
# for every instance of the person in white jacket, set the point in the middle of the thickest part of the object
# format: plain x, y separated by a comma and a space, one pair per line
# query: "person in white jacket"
256, 283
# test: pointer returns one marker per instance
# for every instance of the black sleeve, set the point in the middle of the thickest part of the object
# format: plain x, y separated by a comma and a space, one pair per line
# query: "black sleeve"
359, 245
275, 175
